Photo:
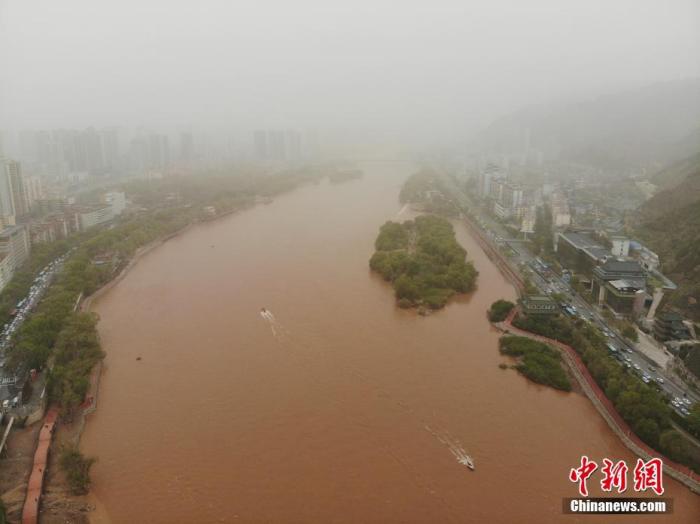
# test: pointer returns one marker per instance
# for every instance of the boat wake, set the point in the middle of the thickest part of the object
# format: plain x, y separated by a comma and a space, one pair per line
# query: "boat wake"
277, 329
453, 445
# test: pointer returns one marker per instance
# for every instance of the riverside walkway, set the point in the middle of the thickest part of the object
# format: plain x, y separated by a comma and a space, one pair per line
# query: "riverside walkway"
604, 405
30, 511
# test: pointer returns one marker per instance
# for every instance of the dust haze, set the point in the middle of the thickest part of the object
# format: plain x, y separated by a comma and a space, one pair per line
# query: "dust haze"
424, 72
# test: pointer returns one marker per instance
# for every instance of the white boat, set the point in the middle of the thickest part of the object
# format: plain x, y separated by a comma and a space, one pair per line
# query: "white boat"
467, 461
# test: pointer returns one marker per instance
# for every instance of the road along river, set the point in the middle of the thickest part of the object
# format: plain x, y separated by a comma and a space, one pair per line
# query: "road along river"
343, 408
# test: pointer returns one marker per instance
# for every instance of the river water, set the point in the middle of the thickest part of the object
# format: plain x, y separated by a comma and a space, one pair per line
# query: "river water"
345, 408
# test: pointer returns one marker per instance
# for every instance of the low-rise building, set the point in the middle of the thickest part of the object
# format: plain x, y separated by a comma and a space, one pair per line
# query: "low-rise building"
113, 204
646, 257
95, 215
539, 305
669, 326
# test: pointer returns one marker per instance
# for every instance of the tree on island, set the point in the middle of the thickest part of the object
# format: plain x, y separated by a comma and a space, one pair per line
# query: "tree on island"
423, 261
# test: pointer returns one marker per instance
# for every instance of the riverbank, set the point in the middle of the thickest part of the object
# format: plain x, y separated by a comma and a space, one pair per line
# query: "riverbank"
603, 404
57, 504
60, 504
580, 373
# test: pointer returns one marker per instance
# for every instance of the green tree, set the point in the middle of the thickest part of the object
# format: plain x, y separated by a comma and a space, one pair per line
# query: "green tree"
499, 310
630, 333
76, 468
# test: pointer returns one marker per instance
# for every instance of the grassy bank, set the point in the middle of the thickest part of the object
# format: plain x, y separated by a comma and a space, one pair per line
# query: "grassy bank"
537, 361
642, 406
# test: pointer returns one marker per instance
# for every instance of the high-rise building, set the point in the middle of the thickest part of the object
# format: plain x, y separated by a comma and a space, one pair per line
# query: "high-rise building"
13, 199
186, 149
34, 190
293, 144
275, 144
94, 152
158, 152
110, 149
260, 142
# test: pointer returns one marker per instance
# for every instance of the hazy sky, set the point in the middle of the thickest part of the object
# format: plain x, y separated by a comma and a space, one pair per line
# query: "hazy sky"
425, 68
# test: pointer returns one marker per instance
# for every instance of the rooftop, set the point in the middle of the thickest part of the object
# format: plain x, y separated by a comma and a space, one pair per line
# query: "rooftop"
586, 244
622, 284
539, 299
580, 241
621, 266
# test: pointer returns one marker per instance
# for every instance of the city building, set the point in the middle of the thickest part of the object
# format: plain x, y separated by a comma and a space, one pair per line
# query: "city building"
561, 215
95, 215
579, 252
487, 176
117, 200
260, 144
507, 198
669, 326
6, 270
276, 145
646, 257
527, 225
14, 242
54, 226
34, 190
621, 285
113, 204
13, 198
186, 149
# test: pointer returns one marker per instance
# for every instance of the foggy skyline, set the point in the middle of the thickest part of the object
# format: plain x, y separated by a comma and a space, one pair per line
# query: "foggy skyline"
418, 70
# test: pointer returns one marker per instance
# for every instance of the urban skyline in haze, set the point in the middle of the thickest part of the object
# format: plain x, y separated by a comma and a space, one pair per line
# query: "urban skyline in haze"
413, 71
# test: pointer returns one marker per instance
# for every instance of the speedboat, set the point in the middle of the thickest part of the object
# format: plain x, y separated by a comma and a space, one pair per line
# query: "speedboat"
467, 461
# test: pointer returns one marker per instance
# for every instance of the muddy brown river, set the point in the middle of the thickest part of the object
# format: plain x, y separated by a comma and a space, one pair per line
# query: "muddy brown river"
343, 408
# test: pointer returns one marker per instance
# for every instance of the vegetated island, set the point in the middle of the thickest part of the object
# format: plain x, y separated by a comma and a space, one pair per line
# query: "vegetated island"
423, 261
537, 361
426, 191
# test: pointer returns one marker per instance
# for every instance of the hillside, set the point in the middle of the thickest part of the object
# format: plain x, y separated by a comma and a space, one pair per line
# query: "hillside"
638, 129
669, 223
676, 173
682, 182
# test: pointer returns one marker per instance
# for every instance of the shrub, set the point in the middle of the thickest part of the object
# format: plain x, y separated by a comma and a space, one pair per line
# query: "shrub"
76, 467
500, 310
539, 362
